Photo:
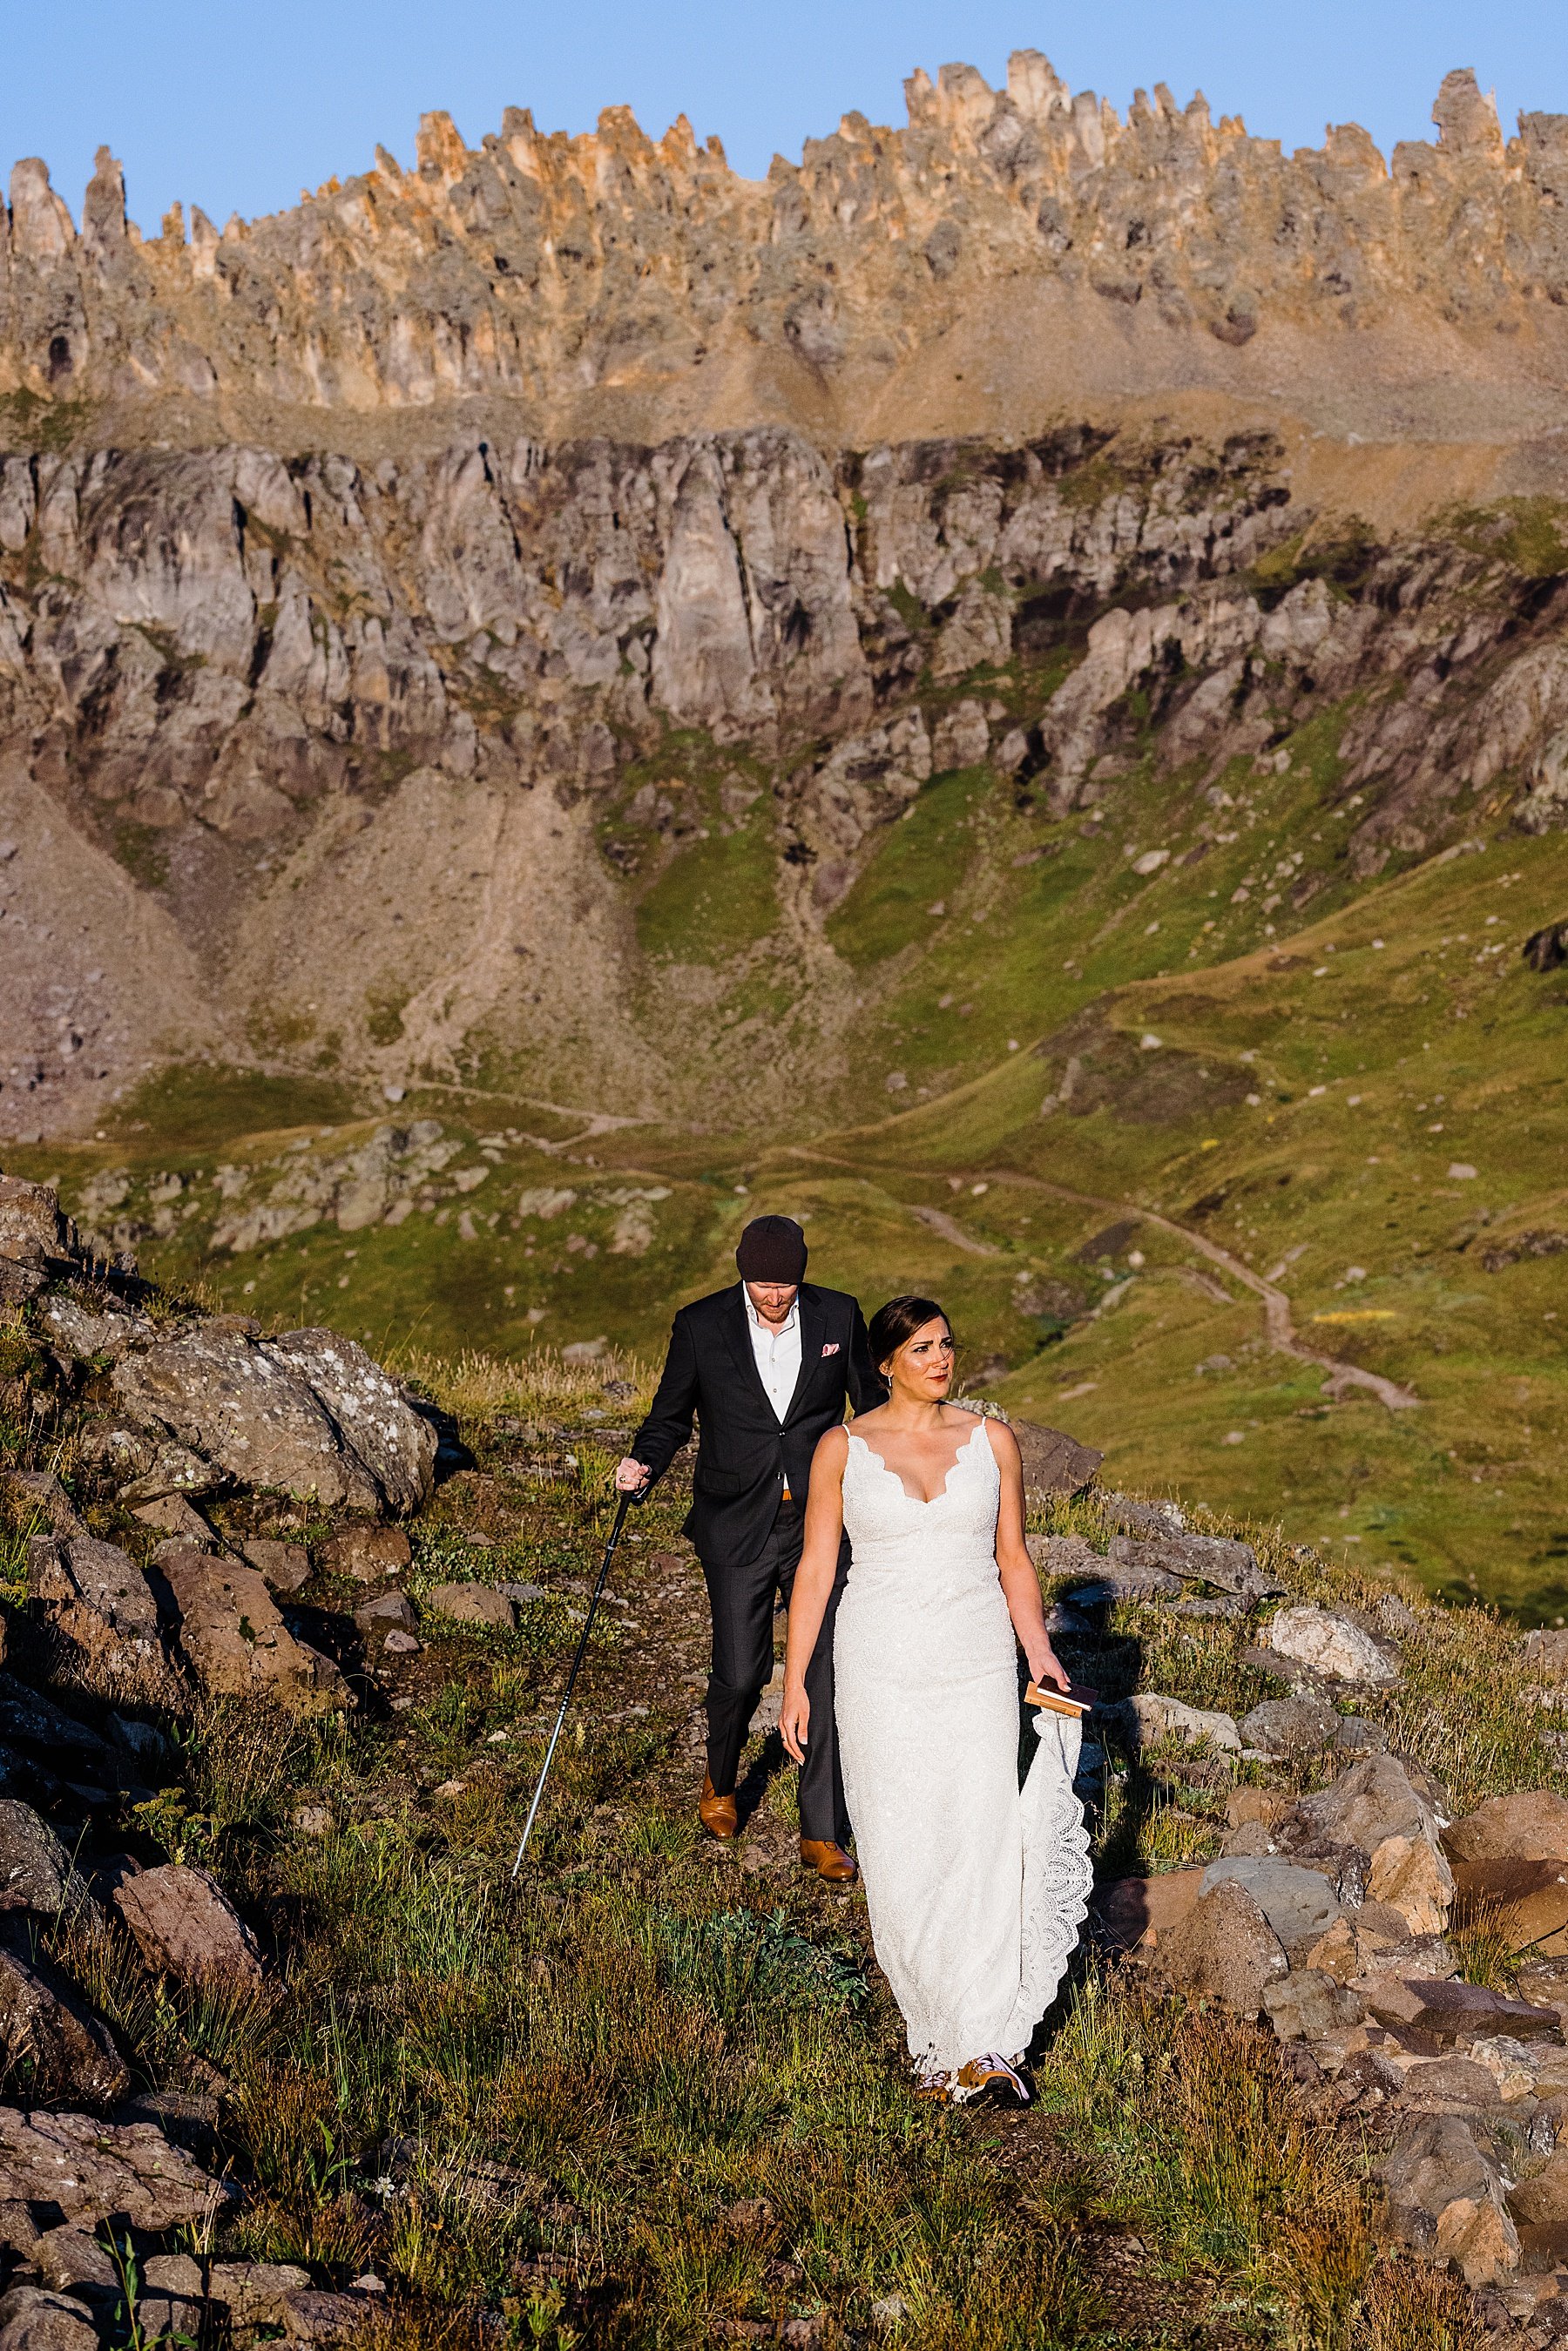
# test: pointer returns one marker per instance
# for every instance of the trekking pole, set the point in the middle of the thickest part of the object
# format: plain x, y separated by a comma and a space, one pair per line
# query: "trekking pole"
626, 1502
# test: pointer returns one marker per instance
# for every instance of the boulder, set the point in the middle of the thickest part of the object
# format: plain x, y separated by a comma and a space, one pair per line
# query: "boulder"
1053, 1463
170, 2318
1289, 1726
313, 2314
89, 1333
1377, 1798
1410, 1875
1136, 1913
1355, 1736
173, 1515
1546, 1652
1126, 1517
1328, 1642
1298, 1904
253, 2293
282, 1566
309, 1413
99, 1598
1099, 1581
392, 1609
474, 1603
1531, 1825
1337, 1953
184, 1925
1438, 2084
1224, 1948
1512, 2064
1445, 2198
49, 1503
89, 2171
1199, 1558
1525, 1901
367, 1553
33, 1237
1307, 2004
1452, 2012
68, 2257
235, 1642
34, 2318
1148, 1716
173, 1474
1540, 2208
35, 1871
52, 2042
1264, 1805
28, 1720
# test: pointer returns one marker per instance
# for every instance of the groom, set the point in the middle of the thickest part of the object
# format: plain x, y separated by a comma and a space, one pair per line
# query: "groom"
766, 1367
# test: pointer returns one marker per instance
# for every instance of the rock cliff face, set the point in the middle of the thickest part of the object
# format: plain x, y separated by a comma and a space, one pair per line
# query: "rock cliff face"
355, 695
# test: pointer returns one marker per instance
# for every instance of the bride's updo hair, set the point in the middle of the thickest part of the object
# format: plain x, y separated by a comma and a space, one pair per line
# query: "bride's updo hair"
897, 1322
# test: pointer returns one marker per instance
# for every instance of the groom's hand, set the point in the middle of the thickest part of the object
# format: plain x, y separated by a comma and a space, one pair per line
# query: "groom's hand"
794, 1721
631, 1476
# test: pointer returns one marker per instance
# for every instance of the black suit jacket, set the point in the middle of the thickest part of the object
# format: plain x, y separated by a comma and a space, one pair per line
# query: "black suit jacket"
744, 1456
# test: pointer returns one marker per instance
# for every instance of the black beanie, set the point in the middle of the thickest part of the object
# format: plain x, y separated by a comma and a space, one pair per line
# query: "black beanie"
772, 1248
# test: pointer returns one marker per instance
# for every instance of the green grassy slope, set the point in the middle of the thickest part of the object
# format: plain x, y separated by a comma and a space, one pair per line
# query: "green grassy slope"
1375, 1069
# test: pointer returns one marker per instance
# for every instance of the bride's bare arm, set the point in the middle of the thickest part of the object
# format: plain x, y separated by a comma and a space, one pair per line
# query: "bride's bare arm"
1020, 1584
813, 1584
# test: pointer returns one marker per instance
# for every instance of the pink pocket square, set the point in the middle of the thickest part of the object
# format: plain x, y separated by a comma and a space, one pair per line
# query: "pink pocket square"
832, 1347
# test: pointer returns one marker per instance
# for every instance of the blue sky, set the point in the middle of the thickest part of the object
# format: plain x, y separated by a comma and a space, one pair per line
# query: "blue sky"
236, 107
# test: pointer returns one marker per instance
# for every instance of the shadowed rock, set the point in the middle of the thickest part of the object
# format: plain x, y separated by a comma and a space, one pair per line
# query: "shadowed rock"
55, 2048
99, 1600
91, 2170
36, 2318
1445, 2199
236, 1643
35, 1871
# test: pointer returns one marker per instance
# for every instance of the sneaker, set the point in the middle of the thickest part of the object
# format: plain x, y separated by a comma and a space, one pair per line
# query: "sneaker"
933, 2084
987, 2073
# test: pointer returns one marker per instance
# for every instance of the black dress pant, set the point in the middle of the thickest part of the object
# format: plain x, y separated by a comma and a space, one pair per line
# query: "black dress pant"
742, 1600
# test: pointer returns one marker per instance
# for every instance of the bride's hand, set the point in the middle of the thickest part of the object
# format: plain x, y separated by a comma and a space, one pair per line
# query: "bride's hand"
1045, 1666
794, 1720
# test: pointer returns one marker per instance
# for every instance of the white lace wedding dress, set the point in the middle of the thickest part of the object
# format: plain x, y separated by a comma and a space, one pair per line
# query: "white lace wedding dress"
976, 1891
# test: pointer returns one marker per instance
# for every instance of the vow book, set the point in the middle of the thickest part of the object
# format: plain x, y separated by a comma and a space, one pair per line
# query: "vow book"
1076, 1702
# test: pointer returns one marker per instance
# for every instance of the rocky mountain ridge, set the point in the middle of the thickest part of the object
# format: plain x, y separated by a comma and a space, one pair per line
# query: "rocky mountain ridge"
592, 282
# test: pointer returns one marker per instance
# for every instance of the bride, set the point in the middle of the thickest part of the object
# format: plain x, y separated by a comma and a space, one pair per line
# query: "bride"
976, 1890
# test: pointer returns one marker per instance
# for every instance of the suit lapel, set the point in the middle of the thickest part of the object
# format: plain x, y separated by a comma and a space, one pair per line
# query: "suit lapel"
738, 1331
813, 1322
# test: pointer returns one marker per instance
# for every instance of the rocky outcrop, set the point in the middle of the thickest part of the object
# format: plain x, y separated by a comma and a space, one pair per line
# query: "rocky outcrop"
309, 1413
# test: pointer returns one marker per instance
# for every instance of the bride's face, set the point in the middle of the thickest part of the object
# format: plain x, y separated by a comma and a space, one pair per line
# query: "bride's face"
923, 1367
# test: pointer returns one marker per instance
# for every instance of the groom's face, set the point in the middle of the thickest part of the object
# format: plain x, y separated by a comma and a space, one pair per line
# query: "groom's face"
772, 1300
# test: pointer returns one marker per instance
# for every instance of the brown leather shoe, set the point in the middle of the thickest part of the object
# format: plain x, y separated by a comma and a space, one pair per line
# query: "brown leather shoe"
717, 1812
829, 1860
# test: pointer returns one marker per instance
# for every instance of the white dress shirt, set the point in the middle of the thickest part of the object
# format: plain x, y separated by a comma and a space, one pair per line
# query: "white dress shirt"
776, 1347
